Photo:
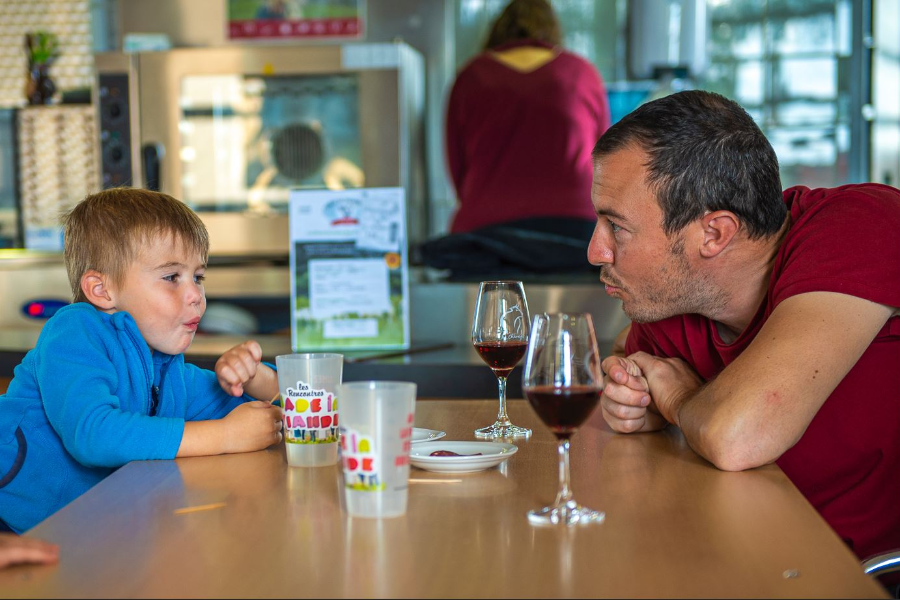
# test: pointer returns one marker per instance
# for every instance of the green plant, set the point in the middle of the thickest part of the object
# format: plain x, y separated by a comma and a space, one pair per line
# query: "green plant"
42, 47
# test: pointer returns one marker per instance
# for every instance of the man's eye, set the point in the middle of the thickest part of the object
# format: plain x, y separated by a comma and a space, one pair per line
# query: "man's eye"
615, 228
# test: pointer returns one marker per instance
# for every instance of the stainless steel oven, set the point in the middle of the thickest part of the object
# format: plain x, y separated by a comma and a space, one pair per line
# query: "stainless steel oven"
231, 130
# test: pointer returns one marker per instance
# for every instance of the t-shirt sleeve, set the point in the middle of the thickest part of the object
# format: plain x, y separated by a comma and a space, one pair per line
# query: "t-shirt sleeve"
846, 242
683, 336
77, 389
640, 339
669, 338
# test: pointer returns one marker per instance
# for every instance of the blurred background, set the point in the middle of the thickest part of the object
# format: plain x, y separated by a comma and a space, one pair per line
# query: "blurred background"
230, 104
821, 77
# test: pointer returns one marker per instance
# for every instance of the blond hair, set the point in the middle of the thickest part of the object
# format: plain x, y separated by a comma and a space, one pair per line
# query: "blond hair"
105, 231
525, 20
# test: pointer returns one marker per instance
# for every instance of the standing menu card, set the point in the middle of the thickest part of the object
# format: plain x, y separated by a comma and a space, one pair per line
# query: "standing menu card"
349, 273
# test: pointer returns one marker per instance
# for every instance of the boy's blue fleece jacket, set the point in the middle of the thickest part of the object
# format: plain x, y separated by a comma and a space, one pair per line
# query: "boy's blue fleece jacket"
81, 404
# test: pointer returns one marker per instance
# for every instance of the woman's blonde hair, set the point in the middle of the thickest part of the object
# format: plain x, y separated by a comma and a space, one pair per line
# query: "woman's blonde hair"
105, 231
525, 20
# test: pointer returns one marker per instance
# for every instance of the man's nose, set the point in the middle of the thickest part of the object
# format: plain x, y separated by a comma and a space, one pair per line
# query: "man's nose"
600, 250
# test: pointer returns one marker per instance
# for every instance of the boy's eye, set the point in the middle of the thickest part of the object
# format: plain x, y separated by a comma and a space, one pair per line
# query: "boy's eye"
173, 277
199, 278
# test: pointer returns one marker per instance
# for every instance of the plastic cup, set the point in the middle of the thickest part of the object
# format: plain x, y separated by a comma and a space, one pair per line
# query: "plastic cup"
308, 384
376, 433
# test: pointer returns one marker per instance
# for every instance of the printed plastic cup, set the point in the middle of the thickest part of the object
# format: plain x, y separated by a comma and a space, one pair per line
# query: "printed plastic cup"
308, 384
376, 434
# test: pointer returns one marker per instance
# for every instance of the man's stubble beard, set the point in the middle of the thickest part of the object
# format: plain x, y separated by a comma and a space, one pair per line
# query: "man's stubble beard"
681, 290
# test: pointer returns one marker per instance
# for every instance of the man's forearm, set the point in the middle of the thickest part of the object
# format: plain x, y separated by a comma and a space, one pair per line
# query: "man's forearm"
723, 435
761, 404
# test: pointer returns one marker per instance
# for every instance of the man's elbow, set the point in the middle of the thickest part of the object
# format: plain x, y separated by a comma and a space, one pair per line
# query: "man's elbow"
730, 449
733, 461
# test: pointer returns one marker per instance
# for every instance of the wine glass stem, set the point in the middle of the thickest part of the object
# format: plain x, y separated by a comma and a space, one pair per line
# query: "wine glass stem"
565, 492
502, 417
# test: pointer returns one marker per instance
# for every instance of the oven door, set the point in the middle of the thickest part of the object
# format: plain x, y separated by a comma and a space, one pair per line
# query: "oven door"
231, 131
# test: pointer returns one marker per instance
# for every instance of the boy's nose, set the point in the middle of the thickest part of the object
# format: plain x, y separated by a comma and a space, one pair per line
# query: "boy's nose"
195, 294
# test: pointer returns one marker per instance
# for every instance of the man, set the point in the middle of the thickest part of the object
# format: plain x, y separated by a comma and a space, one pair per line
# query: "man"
764, 325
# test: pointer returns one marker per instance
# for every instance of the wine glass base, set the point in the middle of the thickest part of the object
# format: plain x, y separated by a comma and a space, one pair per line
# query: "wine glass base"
498, 430
568, 514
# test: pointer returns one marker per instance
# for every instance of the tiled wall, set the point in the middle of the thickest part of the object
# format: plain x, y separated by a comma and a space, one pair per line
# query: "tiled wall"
57, 168
70, 20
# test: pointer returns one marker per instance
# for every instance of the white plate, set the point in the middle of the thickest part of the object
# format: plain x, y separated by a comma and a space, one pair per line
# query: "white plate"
426, 435
492, 454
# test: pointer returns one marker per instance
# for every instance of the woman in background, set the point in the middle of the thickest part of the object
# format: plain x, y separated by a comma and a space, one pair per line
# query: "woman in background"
522, 119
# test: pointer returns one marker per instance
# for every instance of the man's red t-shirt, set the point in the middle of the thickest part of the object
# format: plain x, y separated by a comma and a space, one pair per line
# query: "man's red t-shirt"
847, 463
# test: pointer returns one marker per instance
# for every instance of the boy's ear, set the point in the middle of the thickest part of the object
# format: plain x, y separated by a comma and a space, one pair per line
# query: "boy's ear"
95, 286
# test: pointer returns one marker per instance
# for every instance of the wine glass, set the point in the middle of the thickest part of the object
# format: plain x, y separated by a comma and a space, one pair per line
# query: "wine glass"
500, 336
563, 382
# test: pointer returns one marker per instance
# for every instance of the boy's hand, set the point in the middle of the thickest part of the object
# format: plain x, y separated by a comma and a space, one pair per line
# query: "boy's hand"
238, 366
16, 550
252, 426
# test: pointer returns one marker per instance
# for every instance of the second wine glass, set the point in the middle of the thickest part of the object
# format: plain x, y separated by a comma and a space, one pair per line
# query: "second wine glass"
563, 382
500, 336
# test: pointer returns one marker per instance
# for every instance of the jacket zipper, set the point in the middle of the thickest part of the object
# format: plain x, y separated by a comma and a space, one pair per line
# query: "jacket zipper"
153, 395
154, 400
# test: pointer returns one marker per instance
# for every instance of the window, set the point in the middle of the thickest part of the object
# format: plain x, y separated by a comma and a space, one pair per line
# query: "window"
787, 62
591, 29
886, 93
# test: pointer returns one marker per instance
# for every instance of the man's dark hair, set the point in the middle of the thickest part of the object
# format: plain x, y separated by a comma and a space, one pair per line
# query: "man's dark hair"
705, 154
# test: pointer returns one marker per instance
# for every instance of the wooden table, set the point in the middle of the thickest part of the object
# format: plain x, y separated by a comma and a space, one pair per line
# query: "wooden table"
675, 527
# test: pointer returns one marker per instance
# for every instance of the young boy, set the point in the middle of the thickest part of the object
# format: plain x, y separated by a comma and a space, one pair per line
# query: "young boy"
106, 382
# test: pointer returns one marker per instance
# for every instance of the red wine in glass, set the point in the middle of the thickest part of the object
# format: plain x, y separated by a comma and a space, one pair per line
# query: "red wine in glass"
502, 357
563, 381
563, 410
500, 329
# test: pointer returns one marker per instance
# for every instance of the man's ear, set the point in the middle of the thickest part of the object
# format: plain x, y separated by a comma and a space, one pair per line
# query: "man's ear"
719, 229
96, 288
